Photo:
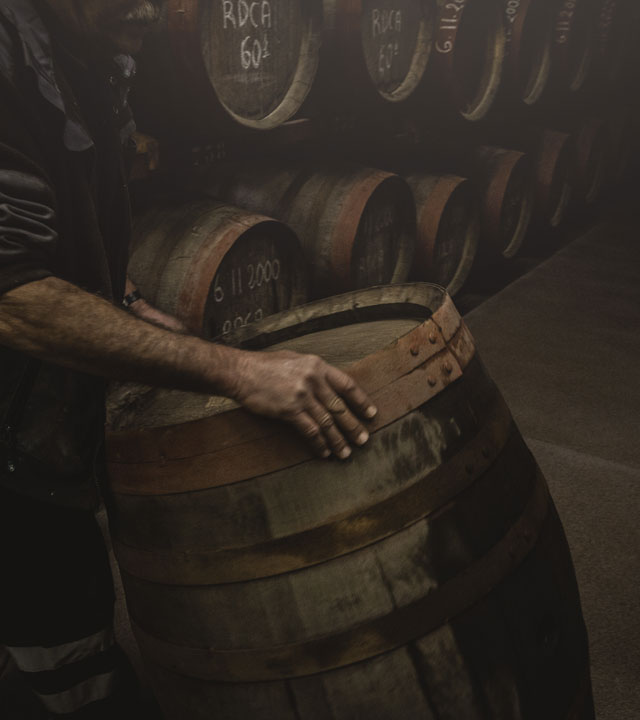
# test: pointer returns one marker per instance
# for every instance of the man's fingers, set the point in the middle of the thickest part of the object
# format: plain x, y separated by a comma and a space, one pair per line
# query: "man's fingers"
331, 430
346, 388
342, 416
311, 430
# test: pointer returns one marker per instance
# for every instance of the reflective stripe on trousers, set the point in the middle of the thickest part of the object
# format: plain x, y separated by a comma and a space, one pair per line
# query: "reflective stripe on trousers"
69, 677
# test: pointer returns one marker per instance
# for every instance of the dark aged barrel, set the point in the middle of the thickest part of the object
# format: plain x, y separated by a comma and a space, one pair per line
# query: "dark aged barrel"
613, 33
378, 45
469, 50
447, 229
572, 43
254, 59
527, 65
216, 267
356, 225
504, 182
553, 176
591, 158
428, 577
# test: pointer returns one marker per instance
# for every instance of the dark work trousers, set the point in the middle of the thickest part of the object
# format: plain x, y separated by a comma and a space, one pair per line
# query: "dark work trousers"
56, 610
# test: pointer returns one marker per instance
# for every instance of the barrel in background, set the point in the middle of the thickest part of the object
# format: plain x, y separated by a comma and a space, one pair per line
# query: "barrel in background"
504, 181
448, 229
527, 63
573, 44
469, 52
427, 577
253, 62
356, 225
216, 267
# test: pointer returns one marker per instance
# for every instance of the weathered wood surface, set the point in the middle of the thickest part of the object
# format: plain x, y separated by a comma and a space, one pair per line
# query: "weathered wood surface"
356, 224
469, 47
447, 229
216, 267
427, 577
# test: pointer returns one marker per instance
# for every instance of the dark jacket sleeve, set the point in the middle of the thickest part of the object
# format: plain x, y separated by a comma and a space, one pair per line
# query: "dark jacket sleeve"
28, 233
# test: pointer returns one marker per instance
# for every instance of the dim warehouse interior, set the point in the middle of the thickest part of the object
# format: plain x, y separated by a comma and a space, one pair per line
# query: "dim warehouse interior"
439, 199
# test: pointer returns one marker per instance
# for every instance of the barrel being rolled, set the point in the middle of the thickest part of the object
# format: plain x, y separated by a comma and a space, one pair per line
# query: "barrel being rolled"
356, 225
469, 52
448, 229
252, 61
216, 267
428, 577
527, 62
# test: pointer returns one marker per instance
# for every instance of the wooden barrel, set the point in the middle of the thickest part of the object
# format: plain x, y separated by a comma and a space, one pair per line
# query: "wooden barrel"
428, 577
613, 33
554, 176
469, 52
216, 267
447, 229
504, 182
356, 225
527, 65
252, 60
590, 157
573, 45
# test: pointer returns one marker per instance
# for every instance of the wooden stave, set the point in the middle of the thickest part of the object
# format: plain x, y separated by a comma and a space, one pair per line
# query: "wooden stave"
325, 209
434, 196
519, 22
447, 46
423, 651
178, 249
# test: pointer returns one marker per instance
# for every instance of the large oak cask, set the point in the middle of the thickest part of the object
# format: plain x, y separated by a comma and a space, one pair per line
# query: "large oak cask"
356, 224
252, 61
214, 266
428, 577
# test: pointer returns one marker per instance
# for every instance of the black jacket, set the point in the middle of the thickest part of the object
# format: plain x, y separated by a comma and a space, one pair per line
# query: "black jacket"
64, 211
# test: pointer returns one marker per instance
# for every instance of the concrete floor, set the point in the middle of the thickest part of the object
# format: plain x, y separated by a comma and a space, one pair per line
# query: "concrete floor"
563, 344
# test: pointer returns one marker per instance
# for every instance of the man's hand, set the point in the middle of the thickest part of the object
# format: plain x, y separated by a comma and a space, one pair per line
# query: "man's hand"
63, 324
323, 403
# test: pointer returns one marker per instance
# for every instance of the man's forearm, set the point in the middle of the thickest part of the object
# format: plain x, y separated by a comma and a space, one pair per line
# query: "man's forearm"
61, 323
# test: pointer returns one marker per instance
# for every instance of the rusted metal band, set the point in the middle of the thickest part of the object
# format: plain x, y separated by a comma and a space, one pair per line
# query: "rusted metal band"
236, 446
278, 450
369, 639
344, 535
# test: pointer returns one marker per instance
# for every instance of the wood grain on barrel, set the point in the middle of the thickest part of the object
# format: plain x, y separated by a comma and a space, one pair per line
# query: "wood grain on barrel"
216, 267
